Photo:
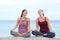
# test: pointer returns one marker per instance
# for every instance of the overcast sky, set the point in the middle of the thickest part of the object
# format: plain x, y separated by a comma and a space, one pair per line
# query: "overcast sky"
11, 9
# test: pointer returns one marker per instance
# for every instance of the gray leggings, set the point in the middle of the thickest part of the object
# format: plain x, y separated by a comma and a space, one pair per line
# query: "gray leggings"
16, 34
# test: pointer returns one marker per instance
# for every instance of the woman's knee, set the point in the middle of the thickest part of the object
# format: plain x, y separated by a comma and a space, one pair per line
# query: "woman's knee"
26, 35
34, 32
14, 33
53, 35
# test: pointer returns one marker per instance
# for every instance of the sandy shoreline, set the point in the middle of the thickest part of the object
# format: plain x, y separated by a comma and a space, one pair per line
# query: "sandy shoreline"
30, 38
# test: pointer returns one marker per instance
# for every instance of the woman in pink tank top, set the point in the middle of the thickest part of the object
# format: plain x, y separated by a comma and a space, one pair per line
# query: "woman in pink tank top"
23, 24
43, 24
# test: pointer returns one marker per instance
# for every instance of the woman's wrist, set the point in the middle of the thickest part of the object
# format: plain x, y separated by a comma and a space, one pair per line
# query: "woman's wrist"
28, 31
51, 31
11, 29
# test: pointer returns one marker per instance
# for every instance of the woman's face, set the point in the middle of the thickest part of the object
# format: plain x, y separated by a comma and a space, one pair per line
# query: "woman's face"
25, 13
40, 12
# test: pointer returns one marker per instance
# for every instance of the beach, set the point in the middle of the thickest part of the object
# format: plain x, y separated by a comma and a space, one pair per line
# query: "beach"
40, 12
30, 38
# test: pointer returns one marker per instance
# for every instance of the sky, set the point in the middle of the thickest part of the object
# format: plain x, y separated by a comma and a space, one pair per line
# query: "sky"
11, 9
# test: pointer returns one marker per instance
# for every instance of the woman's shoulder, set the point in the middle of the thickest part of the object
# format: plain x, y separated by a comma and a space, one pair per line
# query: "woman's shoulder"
28, 19
18, 18
37, 18
47, 19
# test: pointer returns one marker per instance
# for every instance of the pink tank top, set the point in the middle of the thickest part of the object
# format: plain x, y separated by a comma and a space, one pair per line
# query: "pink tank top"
23, 26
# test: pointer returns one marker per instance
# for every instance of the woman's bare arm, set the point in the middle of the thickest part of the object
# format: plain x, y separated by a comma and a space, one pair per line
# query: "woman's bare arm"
48, 21
16, 24
28, 24
37, 24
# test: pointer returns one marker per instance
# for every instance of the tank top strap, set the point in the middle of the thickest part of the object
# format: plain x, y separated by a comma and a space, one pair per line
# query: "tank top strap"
45, 18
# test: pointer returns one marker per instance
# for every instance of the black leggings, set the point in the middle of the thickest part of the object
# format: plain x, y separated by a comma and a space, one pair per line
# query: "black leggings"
48, 34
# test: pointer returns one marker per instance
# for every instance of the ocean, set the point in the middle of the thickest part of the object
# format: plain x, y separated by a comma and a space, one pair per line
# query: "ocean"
6, 26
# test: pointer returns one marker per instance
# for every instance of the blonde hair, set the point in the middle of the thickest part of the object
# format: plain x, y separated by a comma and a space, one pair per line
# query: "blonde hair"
41, 10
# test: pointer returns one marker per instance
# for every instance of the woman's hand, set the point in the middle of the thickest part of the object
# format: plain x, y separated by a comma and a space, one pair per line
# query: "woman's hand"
11, 30
52, 31
33, 30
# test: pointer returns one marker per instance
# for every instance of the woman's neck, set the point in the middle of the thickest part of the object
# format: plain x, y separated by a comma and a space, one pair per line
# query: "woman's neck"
23, 17
41, 16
